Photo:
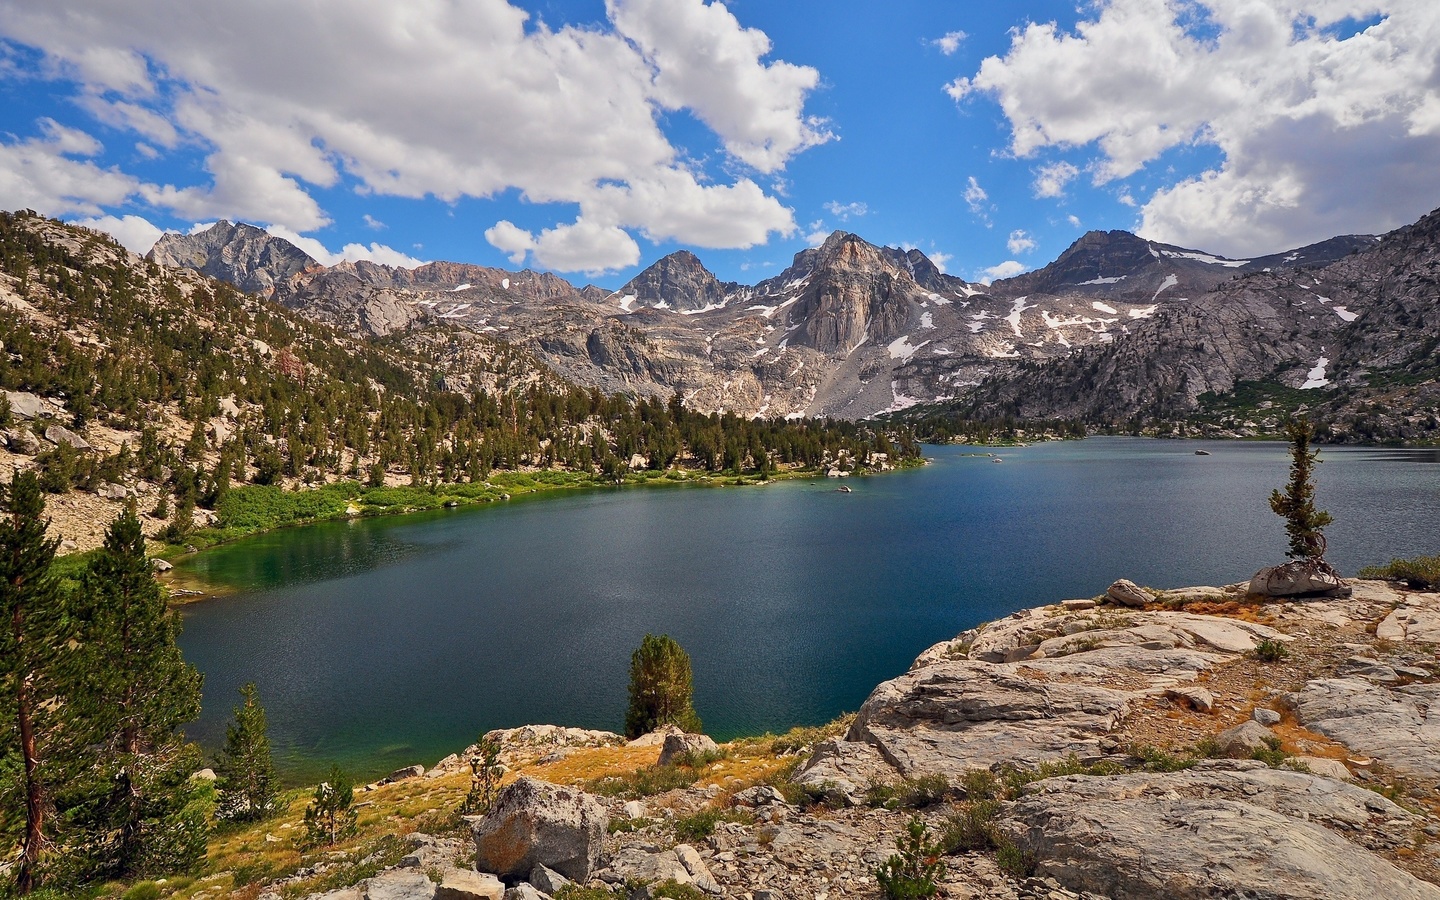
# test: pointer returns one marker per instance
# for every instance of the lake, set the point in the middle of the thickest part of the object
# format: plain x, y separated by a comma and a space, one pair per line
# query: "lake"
378, 643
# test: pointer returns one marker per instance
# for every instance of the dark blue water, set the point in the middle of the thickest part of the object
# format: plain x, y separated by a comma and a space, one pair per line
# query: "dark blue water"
385, 642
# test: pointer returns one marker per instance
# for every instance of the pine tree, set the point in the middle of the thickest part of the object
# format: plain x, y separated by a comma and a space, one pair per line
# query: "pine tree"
1303, 522
331, 813
246, 782
32, 658
139, 692
660, 687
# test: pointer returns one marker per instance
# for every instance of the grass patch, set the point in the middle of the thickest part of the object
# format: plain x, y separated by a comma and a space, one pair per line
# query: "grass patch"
370, 858
644, 782
1421, 573
576, 892
701, 825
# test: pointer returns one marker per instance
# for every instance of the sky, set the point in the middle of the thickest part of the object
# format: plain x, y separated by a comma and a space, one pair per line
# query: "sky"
592, 137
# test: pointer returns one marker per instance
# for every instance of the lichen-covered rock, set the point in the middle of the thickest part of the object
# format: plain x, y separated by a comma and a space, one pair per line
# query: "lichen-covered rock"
463, 884
537, 823
1244, 739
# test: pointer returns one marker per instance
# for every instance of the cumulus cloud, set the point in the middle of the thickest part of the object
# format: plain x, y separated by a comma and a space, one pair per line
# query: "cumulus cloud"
950, 42
54, 174
941, 260
1050, 180
136, 233
1007, 269
436, 99
1020, 242
376, 253
584, 246
1073, 220
1322, 126
816, 233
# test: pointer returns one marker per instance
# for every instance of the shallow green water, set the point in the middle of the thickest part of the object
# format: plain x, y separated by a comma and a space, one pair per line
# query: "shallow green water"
385, 642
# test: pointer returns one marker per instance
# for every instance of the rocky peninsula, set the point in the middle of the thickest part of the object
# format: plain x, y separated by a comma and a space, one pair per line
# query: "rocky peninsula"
1194, 743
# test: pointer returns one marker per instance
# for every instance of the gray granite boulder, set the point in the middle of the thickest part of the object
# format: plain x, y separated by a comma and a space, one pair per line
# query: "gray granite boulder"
678, 745
537, 823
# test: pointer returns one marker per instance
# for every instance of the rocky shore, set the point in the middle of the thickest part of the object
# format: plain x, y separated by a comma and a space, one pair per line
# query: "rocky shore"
1194, 743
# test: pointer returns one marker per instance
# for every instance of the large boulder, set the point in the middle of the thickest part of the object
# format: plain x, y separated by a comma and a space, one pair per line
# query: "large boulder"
22, 441
1299, 578
1127, 593
57, 434
679, 745
537, 823
25, 405
1243, 740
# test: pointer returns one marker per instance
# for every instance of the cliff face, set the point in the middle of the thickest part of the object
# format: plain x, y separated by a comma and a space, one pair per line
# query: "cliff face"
243, 255
1359, 330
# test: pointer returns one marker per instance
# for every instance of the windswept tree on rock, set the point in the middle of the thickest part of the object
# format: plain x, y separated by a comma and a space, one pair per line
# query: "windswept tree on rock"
661, 687
1296, 505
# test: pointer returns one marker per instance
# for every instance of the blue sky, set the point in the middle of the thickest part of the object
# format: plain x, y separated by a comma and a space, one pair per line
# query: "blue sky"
592, 137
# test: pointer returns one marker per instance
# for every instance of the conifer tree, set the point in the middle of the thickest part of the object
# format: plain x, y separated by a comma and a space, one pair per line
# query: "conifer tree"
246, 782
331, 813
1303, 522
33, 644
139, 691
660, 687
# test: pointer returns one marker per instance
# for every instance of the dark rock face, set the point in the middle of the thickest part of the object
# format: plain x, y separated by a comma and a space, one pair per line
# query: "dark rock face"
680, 282
243, 255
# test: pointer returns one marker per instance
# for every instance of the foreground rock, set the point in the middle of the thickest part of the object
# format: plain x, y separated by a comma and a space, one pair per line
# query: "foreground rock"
679, 746
537, 823
1200, 835
1299, 578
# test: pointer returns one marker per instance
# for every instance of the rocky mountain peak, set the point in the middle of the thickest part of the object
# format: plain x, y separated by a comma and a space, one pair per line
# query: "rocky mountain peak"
246, 256
679, 282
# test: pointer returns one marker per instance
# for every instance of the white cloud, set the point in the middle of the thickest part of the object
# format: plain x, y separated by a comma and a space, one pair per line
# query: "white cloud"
44, 174
510, 239
706, 61
950, 42
583, 246
1073, 220
1320, 130
1050, 180
1007, 269
372, 222
975, 196
1020, 242
438, 99
1125, 199
816, 233
377, 253
941, 260
843, 211
135, 233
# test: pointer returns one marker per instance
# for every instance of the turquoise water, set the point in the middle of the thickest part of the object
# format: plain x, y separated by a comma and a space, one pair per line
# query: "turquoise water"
385, 642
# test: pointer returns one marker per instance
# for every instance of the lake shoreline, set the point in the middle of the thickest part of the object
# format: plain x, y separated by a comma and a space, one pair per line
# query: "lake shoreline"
186, 588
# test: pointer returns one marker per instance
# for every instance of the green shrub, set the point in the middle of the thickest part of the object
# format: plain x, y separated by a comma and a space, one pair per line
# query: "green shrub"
971, 828
912, 793
1015, 862
699, 759
1157, 760
1421, 573
912, 872
1271, 754
1271, 651
980, 784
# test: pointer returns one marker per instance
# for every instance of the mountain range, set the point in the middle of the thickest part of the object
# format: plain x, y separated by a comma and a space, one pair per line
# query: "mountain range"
1117, 328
